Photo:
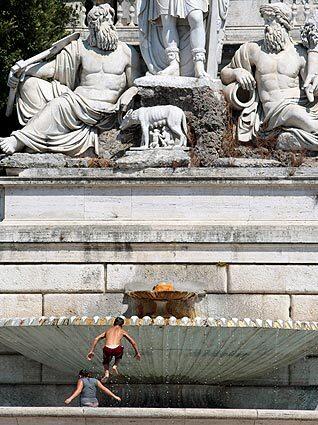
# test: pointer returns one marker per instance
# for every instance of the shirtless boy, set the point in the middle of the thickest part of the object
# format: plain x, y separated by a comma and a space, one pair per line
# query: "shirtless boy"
113, 347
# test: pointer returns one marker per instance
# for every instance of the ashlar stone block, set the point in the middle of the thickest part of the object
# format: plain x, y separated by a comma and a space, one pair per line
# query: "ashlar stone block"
45, 278
279, 278
304, 307
84, 304
254, 306
20, 305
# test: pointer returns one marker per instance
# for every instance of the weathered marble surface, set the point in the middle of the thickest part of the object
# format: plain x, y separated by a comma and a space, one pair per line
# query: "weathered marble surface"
288, 106
88, 90
154, 158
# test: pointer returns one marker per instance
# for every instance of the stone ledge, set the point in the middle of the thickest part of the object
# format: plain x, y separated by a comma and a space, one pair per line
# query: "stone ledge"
204, 176
44, 415
149, 232
159, 253
178, 82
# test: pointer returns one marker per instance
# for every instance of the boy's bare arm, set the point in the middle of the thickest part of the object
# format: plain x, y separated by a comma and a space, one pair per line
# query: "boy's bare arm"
133, 343
77, 392
107, 391
91, 353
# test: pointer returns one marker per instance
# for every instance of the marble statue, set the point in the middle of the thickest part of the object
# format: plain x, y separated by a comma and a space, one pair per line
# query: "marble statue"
154, 122
272, 80
173, 37
63, 102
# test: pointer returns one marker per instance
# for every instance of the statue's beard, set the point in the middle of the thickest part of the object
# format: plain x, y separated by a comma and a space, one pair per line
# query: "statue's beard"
105, 38
275, 39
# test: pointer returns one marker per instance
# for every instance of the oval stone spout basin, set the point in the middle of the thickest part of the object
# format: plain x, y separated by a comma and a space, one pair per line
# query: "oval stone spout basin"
164, 303
173, 351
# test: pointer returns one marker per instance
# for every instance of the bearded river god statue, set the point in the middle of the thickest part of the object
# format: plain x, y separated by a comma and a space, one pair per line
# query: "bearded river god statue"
177, 37
274, 83
92, 84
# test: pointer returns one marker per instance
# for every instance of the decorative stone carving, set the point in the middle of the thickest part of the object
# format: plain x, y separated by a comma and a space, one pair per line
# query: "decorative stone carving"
173, 38
92, 84
269, 83
162, 126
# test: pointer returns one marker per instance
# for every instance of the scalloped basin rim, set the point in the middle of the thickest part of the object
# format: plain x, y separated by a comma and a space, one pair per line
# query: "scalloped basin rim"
146, 321
161, 295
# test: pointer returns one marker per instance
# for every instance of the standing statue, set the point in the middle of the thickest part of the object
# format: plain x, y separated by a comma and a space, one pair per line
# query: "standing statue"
173, 36
88, 91
272, 76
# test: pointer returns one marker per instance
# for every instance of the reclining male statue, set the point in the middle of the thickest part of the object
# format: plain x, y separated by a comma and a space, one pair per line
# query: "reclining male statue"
89, 88
276, 69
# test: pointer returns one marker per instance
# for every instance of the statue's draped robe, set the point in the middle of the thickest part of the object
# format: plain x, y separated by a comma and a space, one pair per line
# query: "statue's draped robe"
151, 43
55, 118
253, 120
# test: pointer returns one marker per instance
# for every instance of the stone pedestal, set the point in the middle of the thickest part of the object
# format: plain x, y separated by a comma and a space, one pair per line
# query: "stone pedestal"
203, 102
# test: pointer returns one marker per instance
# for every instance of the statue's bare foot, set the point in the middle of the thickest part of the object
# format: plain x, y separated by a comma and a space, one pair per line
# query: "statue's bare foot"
10, 145
199, 70
173, 69
204, 74
105, 377
115, 370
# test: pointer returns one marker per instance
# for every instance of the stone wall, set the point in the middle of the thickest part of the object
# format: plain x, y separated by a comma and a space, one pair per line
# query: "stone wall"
245, 240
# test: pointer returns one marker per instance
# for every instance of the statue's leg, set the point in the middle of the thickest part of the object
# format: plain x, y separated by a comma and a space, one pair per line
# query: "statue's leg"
171, 42
297, 116
33, 94
197, 40
64, 125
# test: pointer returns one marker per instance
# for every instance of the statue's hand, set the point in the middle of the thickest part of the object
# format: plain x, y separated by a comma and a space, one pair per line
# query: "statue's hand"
127, 97
245, 79
16, 74
311, 86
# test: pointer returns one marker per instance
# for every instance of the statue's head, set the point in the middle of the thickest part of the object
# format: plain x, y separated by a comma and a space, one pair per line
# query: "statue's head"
103, 34
278, 23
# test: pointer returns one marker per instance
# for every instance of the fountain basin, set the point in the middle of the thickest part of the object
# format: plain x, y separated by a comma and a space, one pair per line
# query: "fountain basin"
201, 351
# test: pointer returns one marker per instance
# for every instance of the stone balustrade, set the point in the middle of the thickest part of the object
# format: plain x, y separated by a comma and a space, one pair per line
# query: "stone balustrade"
240, 27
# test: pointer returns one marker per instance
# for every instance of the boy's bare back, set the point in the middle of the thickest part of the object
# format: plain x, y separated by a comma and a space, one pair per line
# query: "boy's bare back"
114, 335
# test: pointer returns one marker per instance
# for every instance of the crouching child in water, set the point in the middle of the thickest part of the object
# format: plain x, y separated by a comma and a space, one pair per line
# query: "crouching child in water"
87, 389
113, 347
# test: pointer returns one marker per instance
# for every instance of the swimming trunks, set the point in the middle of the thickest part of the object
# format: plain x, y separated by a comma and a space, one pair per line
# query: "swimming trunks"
109, 353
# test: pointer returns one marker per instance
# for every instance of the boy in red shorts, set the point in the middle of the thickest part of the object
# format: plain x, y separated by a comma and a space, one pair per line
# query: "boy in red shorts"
113, 347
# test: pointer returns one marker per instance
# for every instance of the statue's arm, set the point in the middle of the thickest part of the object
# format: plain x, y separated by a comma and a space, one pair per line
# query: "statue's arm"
133, 69
44, 70
234, 73
228, 75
